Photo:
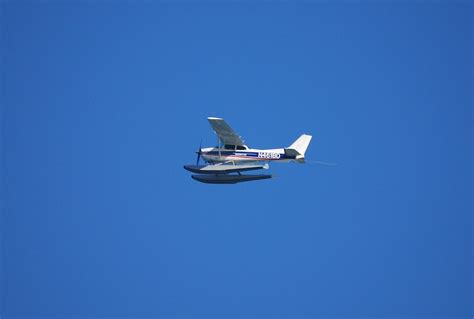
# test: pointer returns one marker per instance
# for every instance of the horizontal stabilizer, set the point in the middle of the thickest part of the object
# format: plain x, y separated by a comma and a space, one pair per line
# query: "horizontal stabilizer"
222, 169
291, 153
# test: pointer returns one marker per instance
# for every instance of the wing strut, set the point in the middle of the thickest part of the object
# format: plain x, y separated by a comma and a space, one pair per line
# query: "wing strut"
219, 145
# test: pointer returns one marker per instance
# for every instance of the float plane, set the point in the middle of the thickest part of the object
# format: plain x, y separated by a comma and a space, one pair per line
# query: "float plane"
231, 157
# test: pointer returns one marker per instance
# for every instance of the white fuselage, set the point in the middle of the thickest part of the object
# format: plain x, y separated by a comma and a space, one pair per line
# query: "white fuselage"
247, 155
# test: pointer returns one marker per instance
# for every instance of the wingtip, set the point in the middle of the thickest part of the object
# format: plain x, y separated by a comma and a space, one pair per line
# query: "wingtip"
214, 118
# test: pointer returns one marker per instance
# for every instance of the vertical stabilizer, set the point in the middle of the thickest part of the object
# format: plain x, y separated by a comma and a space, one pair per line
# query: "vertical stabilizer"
301, 144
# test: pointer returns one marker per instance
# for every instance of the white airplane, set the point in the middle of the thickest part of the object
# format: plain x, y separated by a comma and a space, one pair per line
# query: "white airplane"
231, 155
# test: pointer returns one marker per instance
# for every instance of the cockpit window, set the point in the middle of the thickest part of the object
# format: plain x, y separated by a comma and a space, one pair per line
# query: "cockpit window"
235, 147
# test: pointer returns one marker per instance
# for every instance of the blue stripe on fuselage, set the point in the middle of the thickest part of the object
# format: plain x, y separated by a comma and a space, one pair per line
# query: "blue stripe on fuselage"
248, 154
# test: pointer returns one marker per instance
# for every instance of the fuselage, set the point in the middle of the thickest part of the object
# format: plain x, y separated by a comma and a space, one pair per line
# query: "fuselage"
244, 154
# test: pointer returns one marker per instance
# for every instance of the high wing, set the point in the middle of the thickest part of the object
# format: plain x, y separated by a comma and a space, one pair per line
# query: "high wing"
226, 134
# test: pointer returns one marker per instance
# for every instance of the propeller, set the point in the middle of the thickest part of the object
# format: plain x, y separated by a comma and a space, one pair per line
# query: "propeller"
199, 153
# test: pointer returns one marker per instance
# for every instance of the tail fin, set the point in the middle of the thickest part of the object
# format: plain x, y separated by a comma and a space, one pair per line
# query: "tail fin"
298, 148
301, 144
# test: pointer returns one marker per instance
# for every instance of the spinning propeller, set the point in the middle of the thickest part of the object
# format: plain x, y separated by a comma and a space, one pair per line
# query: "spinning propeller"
199, 153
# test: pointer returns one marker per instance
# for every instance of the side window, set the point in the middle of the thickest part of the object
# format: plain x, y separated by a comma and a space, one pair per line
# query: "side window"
241, 148
229, 147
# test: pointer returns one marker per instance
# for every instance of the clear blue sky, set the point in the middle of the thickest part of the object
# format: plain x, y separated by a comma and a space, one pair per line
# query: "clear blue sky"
103, 102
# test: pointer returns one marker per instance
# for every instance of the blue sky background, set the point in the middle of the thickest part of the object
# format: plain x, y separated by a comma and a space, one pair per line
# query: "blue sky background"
103, 102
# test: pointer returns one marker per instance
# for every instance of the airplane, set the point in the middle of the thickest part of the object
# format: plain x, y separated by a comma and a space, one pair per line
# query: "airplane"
231, 156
